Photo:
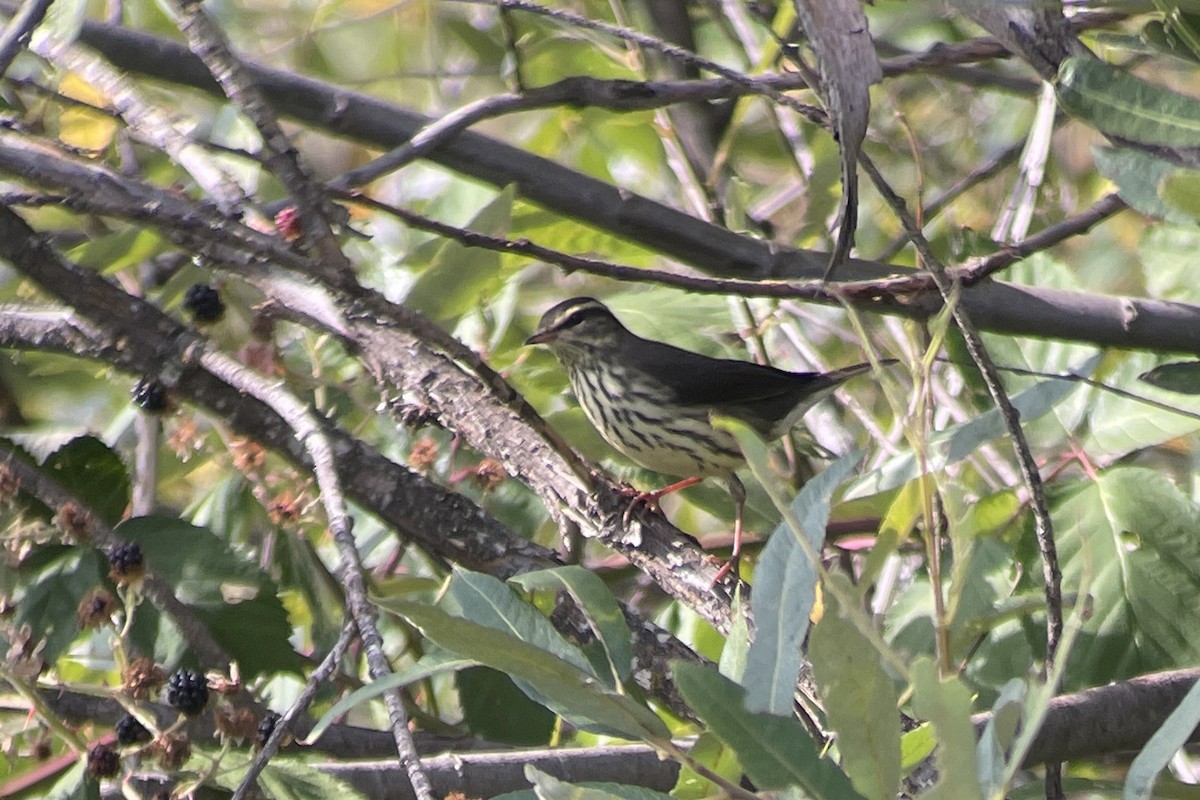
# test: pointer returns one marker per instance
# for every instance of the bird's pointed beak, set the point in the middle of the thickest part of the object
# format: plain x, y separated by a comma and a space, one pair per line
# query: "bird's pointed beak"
541, 337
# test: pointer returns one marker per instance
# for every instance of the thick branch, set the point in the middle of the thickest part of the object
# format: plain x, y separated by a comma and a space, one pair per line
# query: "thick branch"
1004, 308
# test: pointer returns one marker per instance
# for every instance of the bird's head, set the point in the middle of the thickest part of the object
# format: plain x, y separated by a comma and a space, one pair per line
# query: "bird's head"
578, 328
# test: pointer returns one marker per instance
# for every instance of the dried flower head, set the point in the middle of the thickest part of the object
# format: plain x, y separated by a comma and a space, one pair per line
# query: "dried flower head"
96, 609
238, 724
103, 761
75, 521
10, 484
172, 751
142, 677
423, 454
489, 474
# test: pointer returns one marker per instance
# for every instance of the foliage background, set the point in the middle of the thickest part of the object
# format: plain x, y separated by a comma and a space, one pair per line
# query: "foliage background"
126, 163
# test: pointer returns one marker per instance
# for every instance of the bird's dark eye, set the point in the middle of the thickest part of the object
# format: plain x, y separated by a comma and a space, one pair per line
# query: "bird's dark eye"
571, 321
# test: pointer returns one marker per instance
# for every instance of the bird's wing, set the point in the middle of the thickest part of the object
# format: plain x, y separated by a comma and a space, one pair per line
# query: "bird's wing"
760, 395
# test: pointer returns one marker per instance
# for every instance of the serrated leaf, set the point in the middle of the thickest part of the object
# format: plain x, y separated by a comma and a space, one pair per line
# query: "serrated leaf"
776, 752
784, 591
1175, 732
603, 612
1182, 377
1122, 105
56, 578
293, 779
946, 703
230, 594
1129, 537
568, 690
860, 700
88, 469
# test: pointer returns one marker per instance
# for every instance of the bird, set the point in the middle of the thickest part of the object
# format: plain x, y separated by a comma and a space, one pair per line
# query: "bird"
655, 402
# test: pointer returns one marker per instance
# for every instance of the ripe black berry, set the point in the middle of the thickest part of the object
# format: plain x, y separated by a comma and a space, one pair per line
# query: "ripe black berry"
131, 731
149, 395
103, 761
187, 691
266, 727
125, 562
204, 303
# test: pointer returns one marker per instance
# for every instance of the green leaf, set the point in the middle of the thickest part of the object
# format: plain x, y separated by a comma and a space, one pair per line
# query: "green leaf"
234, 598
947, 704
567, 689
1121, 105
737, 644
117, 251
1139, 178
1182, 377
998, 735
430, 665
496, 709
547, 787
293, 779
954, 444
603, 612
776, 752
88, 469
1175, 732
56, 579
75, 784
461, 277
784, 593
1128, 538
487, 601
1180, 190
860, 700
916, 746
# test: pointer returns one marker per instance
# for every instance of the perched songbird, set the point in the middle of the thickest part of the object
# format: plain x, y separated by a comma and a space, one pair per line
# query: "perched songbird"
655, 402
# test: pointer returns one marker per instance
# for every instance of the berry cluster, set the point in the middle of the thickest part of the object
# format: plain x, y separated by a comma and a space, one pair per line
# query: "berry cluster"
266, 727
125, 562
103, 761
188, 691
130, 731
204, 303
149, 395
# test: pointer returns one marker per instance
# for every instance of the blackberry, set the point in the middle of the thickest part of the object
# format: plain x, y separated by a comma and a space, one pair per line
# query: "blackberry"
103, 761
125, 563
188, 691
131, 731
149, 395
265, 728
204, 303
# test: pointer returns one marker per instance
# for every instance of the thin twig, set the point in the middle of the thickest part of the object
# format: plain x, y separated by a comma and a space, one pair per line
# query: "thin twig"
287, 721
19, 30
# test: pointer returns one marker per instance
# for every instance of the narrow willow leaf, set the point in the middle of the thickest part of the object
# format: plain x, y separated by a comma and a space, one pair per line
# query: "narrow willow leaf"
565, 688
947, 704
593, 597
430, 665
784, 592
547, 787
1166, 741
1121, 105
1182, 377
776, 752
860, 700
487, 601
998, 736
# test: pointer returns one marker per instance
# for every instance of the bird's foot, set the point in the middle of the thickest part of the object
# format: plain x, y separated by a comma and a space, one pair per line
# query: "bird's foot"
649, 500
